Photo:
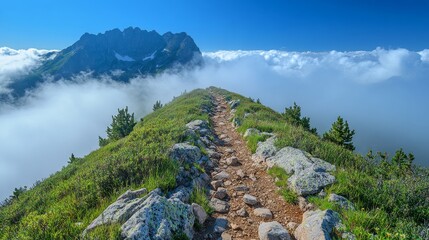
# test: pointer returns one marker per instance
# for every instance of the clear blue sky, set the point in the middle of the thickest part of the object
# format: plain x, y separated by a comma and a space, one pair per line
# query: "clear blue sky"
224, 24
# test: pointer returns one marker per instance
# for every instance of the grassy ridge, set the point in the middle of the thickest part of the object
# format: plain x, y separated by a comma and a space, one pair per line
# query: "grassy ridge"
390, 205
61, 206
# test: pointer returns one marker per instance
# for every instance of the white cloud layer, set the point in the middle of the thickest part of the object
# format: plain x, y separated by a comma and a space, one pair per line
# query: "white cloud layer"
380, 92
17, 62
359, 66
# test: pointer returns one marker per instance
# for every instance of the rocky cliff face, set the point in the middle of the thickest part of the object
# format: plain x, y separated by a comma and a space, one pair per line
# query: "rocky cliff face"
121, 54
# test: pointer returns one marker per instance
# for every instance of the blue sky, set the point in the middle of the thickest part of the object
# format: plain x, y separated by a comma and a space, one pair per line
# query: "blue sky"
286, 25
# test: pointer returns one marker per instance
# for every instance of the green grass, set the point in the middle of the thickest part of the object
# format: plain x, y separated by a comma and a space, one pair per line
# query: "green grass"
111, 231
61, 206
281, 181
377, 191
389, 205
200, 197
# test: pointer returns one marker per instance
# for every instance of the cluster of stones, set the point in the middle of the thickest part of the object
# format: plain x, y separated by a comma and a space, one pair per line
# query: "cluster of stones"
158, 215
309, 176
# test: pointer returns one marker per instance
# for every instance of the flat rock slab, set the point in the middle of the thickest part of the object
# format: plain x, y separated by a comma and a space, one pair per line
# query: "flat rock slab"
219, 205
263, 213
249, 199
272, 231
221, 176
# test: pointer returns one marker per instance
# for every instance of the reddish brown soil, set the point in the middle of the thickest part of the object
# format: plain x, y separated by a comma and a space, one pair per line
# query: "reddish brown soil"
256, 178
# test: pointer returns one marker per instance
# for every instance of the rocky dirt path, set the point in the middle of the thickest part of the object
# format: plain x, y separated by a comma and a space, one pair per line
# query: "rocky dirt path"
244, 185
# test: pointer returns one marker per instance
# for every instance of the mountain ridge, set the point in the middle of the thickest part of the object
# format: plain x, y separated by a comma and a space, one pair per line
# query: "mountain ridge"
130, 53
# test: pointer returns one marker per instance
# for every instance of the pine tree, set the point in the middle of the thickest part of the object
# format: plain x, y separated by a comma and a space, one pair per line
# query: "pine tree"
403, 161
293, 116
122, 125
72, 158
340, 134
157, 105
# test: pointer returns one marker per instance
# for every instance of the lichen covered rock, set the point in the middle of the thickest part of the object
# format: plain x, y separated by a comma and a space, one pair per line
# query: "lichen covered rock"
308, 181
159, 218
317, 225
265, 150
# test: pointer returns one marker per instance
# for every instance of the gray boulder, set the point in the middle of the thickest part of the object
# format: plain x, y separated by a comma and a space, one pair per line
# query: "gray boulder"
234, 103
149, 217
341, 201
236, 122
249, 199
122, 209
308, 181
182, 193
263, 213
319, 163
185, 153
198, 125
159, 218
317, 225
219, 205
199, 213
251, 131
220, 225
292, 160
272, 231
221, 176
265, 150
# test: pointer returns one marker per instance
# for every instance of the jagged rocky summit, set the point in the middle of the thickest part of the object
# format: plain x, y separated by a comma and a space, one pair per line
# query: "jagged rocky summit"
120, 54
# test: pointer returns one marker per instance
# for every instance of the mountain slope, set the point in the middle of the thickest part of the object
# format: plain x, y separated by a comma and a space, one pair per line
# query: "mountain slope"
388, 205
124, 53
61, 206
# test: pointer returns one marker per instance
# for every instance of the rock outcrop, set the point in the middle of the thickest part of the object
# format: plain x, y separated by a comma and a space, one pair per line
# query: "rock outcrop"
309, 175
150, 217
159, 218
158, 215
317, 225
309, 181
341, 201
265, 150
272, 231
293, 160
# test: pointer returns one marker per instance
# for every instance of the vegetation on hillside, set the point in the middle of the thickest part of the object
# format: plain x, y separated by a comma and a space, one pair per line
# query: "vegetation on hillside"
391, 195
341, 134
61, 206
122, 125
292, 115
157, 105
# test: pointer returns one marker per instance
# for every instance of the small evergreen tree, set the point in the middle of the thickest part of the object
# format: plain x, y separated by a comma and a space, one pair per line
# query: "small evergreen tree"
157, 105
72, 158
293, 116
258, 101
403, 161
340, 134
122, 125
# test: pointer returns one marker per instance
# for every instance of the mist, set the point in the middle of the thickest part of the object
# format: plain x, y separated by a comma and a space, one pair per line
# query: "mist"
382, 94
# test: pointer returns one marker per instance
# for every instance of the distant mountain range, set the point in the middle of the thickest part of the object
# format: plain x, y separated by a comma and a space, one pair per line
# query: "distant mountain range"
120, 54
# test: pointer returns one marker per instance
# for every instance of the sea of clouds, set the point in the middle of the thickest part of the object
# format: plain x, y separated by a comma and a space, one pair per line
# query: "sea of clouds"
382, 93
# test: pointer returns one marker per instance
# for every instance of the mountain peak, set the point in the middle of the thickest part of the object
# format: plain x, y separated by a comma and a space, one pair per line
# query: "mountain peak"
133, 51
